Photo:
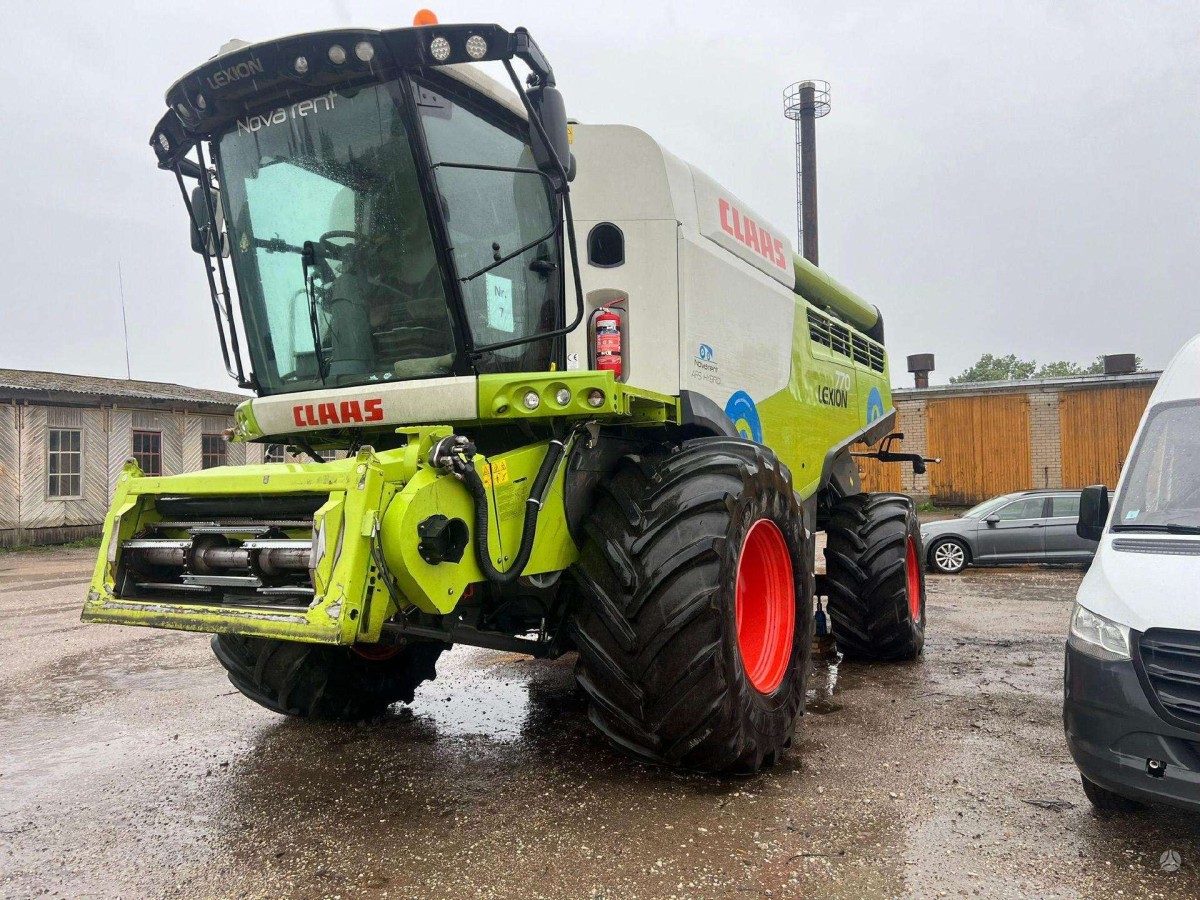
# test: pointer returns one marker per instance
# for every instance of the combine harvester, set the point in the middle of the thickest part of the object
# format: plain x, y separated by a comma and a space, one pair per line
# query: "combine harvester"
623, 447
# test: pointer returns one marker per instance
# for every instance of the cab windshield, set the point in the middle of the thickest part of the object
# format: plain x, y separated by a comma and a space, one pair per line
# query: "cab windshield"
1163, 484
336, 259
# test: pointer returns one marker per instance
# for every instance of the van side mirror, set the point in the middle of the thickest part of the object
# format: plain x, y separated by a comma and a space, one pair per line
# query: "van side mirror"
1093, 512
208, 232
551, 111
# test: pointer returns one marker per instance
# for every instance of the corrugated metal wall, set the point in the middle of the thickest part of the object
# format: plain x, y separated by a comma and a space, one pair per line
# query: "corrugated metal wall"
29, 515
877, 476
1097, 427
10, 468
984, 444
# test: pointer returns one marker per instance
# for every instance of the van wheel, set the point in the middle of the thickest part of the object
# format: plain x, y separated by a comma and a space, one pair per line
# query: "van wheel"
1105, 800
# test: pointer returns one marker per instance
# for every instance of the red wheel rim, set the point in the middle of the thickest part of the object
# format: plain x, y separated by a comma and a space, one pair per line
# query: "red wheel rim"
912, 573
375, 652
765, 605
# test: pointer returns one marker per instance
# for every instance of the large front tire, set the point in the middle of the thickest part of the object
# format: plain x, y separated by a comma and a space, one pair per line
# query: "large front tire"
694, 620
876, 577
322, 682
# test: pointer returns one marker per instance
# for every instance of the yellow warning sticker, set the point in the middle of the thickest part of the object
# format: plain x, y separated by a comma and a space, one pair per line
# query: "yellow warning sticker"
570, 134
497, 471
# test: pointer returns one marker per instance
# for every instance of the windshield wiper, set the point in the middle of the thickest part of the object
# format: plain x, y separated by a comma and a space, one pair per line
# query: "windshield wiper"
308, 259
1169, 528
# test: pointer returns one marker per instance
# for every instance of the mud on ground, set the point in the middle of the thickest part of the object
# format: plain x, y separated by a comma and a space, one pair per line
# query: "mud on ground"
129, 767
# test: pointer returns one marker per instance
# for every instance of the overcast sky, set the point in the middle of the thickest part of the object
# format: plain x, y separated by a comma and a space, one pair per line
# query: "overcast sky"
1010, 177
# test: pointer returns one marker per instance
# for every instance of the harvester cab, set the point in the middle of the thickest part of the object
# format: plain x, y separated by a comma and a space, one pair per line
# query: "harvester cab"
621, 446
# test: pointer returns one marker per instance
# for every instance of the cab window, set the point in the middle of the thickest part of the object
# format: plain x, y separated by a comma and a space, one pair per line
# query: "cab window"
490, 214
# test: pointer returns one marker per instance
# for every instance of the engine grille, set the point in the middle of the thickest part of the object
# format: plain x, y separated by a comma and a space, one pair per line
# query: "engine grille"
1171, 662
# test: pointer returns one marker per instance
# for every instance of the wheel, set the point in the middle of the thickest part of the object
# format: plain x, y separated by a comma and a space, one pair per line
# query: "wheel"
694, 617
874, 576
949, 556
323, 682
1105, 800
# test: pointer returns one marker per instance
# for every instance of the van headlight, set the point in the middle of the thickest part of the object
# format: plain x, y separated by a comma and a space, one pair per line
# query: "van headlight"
1097, 636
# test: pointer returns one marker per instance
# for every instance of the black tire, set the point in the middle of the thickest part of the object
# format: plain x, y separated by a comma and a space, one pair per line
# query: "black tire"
656, 619
1105, 800
945, 566
323, 682
873, 559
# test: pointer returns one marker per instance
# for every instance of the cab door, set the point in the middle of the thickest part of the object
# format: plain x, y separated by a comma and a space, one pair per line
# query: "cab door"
1015, 532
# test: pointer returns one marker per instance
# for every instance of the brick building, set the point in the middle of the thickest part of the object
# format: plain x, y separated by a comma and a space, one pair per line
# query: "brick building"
997, 437
64, 438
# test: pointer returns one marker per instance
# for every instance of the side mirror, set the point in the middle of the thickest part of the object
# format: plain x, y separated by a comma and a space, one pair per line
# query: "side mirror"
209, 232
551, 111
993, 519
1093, 512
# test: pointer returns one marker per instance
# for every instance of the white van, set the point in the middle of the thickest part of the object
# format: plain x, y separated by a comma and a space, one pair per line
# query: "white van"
1131, 695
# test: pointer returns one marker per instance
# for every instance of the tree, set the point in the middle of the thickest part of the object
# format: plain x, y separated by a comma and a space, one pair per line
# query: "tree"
997, 368
1064, 368
1010, 368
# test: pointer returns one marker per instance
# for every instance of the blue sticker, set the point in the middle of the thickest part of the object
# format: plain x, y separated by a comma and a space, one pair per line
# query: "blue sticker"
744, 415
874, 405
706, 353
1132, 514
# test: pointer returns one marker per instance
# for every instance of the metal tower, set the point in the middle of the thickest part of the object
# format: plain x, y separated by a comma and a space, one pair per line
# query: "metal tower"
804, 102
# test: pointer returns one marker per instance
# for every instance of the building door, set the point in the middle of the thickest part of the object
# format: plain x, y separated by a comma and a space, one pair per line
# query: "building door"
983, 442
1097, 428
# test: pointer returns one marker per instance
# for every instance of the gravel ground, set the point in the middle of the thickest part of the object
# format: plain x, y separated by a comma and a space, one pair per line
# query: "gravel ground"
129, 767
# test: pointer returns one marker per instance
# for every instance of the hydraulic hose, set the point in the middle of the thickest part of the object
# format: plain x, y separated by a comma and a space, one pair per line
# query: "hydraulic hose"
533, 508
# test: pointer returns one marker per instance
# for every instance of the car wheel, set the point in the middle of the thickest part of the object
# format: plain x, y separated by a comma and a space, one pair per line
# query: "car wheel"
949, 557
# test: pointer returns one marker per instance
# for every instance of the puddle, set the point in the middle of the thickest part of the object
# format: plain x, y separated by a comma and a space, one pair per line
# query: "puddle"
822, 683
500, 697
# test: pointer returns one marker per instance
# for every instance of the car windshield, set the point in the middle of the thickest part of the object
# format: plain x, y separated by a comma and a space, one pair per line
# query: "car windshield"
987, 507
1162, 486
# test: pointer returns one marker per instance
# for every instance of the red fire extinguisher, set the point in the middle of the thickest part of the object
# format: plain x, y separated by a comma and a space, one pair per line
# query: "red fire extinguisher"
607, 341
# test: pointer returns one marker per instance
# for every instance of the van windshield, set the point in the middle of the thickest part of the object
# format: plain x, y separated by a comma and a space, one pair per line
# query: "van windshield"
1163, 483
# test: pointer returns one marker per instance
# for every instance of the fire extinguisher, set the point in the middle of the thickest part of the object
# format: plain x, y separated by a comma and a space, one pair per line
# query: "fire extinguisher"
606, 338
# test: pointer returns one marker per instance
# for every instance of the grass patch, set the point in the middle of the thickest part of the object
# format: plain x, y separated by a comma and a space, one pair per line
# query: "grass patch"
85, 544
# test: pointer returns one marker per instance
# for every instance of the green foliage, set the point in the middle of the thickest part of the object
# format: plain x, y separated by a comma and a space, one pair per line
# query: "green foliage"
997, 368
1010, 368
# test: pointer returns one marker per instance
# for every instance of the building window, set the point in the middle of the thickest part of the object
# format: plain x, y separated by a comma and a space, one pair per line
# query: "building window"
275, 453
147, 451
328, 455
64, 464
212, 451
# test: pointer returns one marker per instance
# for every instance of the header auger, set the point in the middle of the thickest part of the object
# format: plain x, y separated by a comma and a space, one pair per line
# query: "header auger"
621, 444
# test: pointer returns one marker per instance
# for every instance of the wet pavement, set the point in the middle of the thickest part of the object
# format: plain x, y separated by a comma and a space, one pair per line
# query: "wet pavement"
129, 767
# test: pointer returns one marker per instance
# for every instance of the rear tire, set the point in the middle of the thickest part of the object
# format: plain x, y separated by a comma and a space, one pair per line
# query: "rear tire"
323, 682
875, 577
1105, 800
675, 549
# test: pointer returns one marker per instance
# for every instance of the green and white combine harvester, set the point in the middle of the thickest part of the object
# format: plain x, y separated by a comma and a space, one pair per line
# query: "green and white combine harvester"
622, 448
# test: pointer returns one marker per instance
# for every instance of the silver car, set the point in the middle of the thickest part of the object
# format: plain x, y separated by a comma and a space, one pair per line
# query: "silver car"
1025, 527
